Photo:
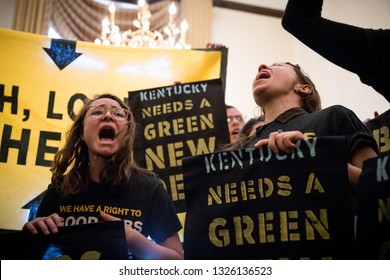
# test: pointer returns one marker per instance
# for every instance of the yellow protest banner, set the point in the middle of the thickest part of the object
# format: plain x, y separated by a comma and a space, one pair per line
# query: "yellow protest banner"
43, 83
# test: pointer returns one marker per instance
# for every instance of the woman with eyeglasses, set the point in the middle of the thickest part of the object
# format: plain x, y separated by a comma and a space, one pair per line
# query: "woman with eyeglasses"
96, 168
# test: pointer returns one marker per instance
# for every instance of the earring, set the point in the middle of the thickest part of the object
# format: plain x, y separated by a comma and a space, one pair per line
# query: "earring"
257, 111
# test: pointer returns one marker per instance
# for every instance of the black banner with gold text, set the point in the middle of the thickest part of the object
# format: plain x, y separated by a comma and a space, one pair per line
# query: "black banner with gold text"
97, 241
175, 122
255, 204
380, 129
373, 200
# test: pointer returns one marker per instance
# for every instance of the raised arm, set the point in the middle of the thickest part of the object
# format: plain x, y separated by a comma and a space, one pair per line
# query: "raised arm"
363, 51
344, 45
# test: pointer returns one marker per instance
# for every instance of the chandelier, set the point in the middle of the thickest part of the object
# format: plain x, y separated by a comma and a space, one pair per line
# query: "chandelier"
171, 37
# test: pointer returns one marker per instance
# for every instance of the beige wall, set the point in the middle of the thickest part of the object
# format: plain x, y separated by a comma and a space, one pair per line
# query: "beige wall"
7, 8
254, 39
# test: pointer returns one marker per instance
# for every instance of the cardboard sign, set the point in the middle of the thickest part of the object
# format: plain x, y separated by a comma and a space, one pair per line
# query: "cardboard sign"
380, 129
43, 84
373, 223
255, 204
176, 122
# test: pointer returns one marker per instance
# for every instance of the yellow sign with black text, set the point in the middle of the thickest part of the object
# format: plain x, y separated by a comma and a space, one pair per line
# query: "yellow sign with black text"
43, 83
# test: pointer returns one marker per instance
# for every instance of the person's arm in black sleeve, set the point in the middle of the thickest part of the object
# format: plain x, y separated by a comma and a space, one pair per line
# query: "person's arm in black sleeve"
344, 45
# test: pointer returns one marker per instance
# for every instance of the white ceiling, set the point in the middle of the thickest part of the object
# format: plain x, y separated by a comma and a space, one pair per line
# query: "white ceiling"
273, 4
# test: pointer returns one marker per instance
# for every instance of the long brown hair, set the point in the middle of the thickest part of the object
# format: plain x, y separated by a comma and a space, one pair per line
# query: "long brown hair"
70, 171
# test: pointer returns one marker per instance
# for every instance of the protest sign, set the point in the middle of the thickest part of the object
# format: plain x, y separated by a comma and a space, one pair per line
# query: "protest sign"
43, 84
255, 204
380, 129
97, 241
176, 122
373, 201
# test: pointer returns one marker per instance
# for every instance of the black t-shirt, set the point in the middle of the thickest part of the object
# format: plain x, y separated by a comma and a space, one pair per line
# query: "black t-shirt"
143, 202
332, 121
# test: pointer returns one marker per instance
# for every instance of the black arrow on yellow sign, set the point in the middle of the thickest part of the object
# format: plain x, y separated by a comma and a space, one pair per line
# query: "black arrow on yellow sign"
62, 52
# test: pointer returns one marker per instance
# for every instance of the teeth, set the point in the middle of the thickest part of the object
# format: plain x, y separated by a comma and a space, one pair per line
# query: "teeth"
263, 75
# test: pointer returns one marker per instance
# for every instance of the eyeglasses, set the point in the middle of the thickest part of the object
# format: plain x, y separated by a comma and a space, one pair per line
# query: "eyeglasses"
238, 118
97, 112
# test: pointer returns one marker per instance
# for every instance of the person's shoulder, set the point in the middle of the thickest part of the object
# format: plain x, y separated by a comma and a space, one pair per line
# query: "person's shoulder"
53, 189
148, 184
145, 178
335, 109
333, 113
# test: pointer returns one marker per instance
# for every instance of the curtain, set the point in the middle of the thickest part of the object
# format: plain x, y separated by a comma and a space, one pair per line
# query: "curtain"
199, 16
30, 16
81, 20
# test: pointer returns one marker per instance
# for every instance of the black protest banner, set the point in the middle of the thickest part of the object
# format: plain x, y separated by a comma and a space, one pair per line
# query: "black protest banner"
380, 129
176, 122
373, 200
255, 204
97, 241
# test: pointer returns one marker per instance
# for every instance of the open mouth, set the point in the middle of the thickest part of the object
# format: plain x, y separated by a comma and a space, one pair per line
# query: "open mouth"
107, 133
263, 75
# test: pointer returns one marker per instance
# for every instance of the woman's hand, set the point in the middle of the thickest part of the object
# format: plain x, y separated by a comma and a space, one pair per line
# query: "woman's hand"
46, 225
214, 46
281, 141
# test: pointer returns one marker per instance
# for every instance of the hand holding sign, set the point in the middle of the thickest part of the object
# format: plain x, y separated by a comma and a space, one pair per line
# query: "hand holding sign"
46, 225
281, 141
